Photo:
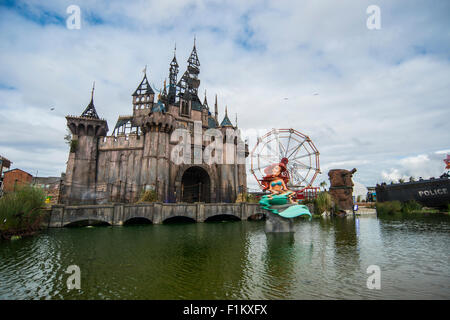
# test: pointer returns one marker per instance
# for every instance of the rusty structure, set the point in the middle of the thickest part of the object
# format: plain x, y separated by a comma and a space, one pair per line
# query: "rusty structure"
137, 156
341, 187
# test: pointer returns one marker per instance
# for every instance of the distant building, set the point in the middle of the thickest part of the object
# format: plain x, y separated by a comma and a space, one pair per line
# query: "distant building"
371, 194
4, 164
15, 178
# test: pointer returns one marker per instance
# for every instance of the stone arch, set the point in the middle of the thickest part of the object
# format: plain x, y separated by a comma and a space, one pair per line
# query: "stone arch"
81, 129
90, 130
178, 219
83, 222
223, 217
179, 180
137, 220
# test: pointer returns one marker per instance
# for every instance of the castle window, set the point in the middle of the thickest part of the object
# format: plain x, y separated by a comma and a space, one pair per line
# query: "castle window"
184, 108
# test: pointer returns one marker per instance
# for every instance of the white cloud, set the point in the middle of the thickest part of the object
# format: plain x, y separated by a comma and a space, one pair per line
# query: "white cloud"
382, 95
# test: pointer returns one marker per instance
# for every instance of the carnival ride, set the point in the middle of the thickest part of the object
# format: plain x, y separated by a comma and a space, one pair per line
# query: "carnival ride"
302, 166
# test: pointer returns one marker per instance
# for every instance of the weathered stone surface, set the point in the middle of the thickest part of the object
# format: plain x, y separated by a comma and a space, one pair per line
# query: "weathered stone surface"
341, 187
276, 223
118, 168
156, 212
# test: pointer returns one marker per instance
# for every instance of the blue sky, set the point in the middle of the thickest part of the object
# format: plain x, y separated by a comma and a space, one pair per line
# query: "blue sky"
382, 102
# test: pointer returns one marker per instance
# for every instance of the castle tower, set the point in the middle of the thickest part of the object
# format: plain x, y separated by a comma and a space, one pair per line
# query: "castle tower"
157, 127
143, 96
81, 178
188, 85
173, 72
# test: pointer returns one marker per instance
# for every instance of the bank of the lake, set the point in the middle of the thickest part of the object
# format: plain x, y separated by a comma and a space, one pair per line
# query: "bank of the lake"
324, 259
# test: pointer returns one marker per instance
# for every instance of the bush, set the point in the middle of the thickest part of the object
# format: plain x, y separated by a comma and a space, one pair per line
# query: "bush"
323, 202
148, 196
411, 206
389, 207
73, 146
20, 211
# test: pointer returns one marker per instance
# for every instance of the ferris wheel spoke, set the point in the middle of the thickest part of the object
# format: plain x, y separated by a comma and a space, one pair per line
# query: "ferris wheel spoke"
280, 145
270, 148
300, 157
289, 141
297, 148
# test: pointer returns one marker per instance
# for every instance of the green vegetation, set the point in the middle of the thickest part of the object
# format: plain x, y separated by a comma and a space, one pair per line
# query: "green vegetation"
73, 145
323, 202
21, 212
148, 196
251, 198
407, 208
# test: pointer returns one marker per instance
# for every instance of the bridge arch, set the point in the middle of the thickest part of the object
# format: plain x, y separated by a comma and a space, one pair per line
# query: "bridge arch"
86, 223
222, 217
137, 221
178, 219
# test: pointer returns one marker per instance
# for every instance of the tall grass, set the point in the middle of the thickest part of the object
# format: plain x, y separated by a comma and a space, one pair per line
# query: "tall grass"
323, 202
392, 207
389, 207
20, 211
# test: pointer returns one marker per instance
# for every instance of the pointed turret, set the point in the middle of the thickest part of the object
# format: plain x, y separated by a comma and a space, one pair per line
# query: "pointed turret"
193, 62
226, 121
90, 111
216, 111
173, 72
205, 101
144, 95
189, 82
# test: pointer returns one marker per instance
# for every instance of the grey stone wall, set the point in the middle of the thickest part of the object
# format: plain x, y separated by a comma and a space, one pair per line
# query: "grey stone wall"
157, 213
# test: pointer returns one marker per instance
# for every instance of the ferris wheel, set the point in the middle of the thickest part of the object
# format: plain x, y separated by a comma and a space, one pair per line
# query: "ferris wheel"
303, 157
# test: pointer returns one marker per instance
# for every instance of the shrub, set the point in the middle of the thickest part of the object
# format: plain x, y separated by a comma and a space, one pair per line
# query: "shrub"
252, 198
20, 211
389, 207
148, 196
411, 206
73, 146
323, 202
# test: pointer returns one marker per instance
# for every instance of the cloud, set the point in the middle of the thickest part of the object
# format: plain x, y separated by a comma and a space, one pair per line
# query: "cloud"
382, 95
422, 165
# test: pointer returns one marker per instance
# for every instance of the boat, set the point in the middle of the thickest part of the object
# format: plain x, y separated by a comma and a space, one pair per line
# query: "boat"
433, 192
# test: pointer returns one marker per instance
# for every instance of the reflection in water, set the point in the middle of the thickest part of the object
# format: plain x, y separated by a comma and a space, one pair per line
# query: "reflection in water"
324, 258
279, 261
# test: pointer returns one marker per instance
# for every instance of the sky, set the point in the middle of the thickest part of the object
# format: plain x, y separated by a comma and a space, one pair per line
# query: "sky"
372, 99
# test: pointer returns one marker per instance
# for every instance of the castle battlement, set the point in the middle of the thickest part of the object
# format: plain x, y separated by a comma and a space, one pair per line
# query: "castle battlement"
121, 142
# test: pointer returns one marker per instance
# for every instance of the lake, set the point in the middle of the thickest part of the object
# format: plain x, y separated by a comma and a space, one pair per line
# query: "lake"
324, 259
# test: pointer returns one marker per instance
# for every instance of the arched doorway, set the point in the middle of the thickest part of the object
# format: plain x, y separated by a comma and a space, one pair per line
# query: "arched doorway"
195, 185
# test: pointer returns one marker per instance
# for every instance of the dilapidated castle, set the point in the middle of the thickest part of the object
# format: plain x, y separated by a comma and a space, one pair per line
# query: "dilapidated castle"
136, 157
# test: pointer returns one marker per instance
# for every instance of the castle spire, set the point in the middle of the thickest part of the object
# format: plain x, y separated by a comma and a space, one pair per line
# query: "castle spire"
216, 111
90, 111
144, 87
173, 72
205, 101
226, 121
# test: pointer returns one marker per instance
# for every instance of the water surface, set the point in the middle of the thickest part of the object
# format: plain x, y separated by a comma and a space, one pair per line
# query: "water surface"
323, 259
